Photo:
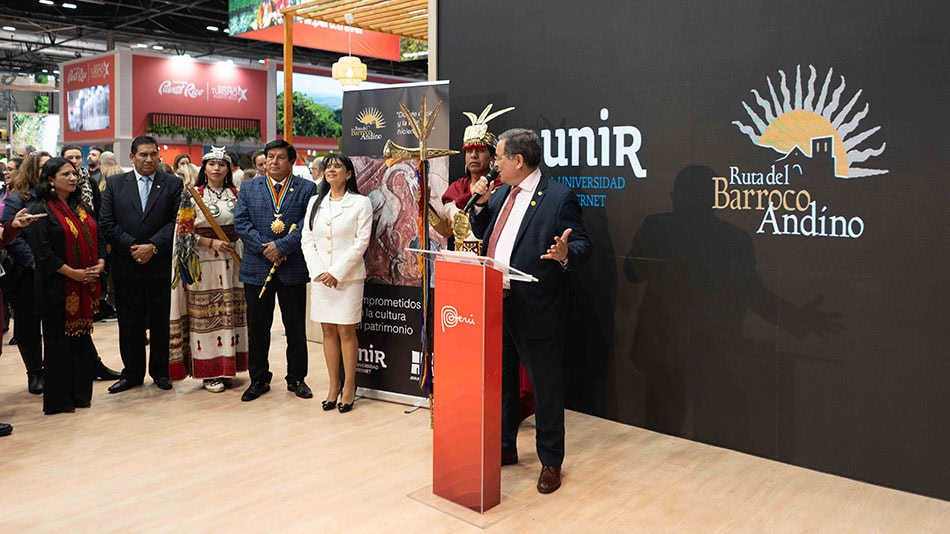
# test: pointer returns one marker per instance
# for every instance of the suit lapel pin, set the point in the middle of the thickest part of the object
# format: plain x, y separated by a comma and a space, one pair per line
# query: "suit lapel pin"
291, 189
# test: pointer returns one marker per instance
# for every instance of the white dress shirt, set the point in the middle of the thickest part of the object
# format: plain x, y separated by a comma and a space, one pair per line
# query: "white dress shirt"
506, 240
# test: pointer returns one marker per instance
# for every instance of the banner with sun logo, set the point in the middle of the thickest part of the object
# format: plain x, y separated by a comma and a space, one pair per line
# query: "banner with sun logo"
378, 136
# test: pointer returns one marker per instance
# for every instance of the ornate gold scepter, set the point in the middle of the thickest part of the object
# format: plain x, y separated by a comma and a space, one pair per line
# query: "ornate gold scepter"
274, 268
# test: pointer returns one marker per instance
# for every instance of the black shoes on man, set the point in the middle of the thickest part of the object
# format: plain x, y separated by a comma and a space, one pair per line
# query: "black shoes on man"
258, 388
301, 389
255, 390
104, 373
124, 384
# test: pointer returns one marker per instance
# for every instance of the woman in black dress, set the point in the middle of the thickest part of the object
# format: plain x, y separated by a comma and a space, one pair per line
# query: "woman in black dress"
69, 258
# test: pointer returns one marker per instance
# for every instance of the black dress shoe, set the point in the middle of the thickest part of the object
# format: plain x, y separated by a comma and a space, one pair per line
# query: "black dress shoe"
5, 429
123, 384
35, 383
255, 390
346, 407
509, 457
104, 373
301, 389
163, 382
328, 405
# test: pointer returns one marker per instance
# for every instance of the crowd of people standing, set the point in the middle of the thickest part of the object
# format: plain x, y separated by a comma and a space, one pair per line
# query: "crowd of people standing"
196, 264
199, 261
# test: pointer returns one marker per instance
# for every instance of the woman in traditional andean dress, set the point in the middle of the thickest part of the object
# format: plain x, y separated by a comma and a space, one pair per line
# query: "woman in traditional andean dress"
208, 338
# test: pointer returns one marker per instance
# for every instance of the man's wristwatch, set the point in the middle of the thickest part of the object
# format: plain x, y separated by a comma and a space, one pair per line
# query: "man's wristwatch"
154, 249
563, 263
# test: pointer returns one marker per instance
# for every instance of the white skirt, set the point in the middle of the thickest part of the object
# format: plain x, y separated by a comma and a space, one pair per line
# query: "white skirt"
342, 304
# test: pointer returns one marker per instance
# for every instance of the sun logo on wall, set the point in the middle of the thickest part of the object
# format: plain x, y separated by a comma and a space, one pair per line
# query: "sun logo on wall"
371, 117
795, 120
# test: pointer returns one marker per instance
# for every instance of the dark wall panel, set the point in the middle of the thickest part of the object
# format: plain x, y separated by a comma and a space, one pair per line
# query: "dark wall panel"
694, 317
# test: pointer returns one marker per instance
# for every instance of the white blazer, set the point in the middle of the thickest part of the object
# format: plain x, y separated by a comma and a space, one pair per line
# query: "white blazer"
336, 244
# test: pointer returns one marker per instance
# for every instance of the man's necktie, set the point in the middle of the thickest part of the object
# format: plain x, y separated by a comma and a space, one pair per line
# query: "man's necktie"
144, 186
502, 219
278, 186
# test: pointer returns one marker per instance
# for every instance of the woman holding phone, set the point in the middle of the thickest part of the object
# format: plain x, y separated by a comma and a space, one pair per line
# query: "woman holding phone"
8, 232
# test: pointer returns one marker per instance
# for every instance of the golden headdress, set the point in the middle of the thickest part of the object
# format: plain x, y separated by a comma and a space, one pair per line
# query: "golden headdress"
477, 135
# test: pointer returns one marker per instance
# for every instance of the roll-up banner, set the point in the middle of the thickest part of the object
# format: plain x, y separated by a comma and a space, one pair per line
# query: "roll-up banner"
390, 334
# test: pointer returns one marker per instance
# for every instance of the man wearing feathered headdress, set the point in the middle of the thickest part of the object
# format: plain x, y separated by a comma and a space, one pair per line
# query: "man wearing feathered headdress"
478, 143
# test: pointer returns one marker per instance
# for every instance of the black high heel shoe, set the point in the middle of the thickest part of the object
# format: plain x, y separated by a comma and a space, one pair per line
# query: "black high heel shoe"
328, 405
345, 407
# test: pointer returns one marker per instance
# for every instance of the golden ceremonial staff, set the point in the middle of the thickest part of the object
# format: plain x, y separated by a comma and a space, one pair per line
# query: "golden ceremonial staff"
274, 268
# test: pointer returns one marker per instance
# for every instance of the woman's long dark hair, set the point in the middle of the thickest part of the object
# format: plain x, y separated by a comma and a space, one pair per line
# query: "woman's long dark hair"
323, 188
202, 178
44, 188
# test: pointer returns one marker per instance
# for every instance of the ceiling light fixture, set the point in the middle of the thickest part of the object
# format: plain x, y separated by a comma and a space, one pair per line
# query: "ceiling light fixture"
349, 70
158, 47
211, 28
9, 28
67, 5
48, 2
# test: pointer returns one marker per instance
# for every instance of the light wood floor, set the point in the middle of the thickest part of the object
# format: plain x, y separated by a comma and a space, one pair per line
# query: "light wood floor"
192, 461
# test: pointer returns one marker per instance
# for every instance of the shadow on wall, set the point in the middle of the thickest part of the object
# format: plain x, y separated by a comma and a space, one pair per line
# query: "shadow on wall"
703, 379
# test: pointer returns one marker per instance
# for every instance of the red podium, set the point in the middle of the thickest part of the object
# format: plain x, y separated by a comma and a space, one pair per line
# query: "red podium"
466, 451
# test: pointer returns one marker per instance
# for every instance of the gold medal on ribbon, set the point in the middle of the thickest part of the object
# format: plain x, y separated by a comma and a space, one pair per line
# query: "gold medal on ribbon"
278, 225
277, 192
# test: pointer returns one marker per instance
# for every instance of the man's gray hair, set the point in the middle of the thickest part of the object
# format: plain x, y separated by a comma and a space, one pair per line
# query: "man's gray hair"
524, 142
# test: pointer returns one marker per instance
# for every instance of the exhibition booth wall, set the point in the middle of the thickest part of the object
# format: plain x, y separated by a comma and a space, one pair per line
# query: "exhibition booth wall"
763, 185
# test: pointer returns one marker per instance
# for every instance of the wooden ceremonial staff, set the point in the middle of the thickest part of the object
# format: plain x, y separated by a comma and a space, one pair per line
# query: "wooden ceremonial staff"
274, 268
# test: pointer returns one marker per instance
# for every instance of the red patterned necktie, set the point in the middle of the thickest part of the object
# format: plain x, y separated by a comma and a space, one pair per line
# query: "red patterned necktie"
502, 219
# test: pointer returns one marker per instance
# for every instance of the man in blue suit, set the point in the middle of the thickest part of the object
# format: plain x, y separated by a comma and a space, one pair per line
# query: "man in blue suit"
138, 219
534, 224
267, 206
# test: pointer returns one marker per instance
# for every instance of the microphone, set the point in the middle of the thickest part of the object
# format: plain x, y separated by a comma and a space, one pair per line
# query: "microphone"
492, 174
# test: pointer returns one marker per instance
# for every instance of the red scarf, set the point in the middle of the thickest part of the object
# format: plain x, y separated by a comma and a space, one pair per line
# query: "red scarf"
82, 300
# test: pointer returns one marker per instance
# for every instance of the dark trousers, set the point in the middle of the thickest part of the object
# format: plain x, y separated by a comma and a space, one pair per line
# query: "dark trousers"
69, 366
26, 323
260, 317
542, 360
139, 302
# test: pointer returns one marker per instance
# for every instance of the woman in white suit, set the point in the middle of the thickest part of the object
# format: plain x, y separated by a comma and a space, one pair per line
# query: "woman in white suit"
336, 232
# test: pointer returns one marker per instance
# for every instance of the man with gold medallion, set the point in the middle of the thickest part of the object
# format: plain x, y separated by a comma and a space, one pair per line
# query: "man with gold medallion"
268, 219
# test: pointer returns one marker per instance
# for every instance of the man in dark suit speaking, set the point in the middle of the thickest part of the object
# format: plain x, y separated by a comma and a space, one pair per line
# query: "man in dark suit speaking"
534, 224
138, 219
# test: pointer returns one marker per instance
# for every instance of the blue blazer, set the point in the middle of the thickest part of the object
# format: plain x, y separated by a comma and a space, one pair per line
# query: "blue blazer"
252, 219
123, 223
539, 309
